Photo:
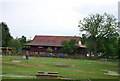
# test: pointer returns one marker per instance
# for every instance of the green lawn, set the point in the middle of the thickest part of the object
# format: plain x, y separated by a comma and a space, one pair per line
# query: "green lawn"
82, 68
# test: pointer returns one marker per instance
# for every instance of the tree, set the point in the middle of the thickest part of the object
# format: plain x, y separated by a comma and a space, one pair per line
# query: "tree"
6, 37
16, 45
99, 28
70, 46
22, 40
118, 48
108, 47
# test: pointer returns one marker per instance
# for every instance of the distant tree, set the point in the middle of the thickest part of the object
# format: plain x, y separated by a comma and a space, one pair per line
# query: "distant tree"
99, 28
16, 45
22, 40
28, 41
70, 46
6, 37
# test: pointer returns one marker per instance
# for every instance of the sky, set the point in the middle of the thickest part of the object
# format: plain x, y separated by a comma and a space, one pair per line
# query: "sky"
51, 17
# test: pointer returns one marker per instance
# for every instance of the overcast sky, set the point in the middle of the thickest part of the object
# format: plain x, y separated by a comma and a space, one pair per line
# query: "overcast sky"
51, 17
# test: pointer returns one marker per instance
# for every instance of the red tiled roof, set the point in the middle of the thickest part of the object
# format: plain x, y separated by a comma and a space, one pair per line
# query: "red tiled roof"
41, 40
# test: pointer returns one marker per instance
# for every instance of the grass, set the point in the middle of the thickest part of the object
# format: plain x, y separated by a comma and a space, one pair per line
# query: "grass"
82, 69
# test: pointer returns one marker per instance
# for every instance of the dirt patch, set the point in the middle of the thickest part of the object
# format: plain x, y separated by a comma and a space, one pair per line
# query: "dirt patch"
64, 65
26, 65
80, 71
16, 61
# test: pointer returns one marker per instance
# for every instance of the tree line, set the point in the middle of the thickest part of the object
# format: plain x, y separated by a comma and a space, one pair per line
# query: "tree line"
9, 41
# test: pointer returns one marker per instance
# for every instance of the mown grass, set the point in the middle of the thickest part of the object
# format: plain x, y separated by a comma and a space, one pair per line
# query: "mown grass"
82, 68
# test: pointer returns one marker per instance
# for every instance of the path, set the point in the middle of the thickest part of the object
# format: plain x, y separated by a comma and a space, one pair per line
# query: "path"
16, 75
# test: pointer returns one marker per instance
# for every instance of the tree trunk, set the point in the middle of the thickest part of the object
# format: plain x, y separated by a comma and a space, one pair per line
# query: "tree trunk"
95, 45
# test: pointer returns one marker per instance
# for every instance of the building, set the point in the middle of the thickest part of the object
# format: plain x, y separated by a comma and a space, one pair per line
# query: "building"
40, 44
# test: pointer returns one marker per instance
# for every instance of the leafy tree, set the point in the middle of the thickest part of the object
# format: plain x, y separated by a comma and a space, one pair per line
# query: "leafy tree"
99, 29
6, 37
108, 47
118, 48
15, 44
9, 41
22, 40
70, 46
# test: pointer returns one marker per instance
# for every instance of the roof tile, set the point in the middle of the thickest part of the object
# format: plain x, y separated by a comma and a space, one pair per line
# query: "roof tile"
41, 40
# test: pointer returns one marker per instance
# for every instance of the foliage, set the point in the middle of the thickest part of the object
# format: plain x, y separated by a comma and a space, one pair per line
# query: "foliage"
14, 43
23, 40
100, 34
118, 51
9, 41
108, 47
70, 46
49, 49
6, 37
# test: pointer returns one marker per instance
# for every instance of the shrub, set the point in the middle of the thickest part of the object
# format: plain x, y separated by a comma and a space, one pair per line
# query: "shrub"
49, 49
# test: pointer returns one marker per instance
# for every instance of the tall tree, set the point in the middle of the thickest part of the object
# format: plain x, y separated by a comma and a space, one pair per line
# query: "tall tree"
6, 37
98, 26
118, 48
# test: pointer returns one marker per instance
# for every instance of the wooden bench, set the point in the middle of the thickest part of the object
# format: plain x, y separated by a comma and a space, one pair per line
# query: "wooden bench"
47, 75
15, 60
